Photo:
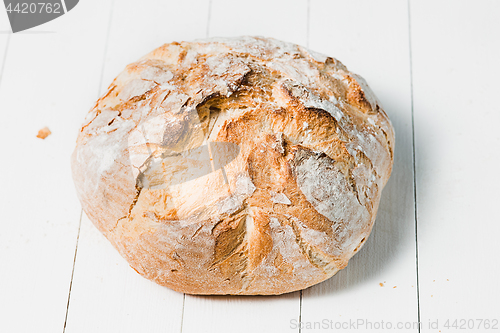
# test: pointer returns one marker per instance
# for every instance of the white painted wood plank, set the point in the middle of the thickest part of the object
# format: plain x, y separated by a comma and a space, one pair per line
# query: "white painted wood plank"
105, 288
109, 296
4, 21
371, 38
240, 313
47, 81
455, 78
249, 313
4, 42
281, 19
141, 26
4, 37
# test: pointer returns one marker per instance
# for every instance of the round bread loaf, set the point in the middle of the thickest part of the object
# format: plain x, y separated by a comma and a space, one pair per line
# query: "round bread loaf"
234, 166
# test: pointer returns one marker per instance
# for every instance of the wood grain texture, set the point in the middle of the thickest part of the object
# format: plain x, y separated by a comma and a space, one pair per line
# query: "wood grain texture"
104, 286
45, 82
455, 80
371, 38
259, 314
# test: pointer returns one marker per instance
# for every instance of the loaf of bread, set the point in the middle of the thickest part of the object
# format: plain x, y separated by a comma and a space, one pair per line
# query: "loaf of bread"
234, 166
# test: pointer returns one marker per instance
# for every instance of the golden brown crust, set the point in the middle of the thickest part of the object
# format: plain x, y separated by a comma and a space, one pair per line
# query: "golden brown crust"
295, 151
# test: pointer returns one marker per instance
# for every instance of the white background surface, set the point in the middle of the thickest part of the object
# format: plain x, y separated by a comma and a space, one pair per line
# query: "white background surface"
433, 64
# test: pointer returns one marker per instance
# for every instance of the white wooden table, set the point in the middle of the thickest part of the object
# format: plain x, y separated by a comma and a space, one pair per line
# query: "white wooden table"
433, 254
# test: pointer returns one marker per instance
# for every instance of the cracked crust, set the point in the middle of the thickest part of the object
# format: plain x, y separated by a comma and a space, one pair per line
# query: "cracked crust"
234, 166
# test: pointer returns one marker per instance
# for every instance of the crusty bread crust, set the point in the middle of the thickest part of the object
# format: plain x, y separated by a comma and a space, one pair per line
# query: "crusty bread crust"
295, 197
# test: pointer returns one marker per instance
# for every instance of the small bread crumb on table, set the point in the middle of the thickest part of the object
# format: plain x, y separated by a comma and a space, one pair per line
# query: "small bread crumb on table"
43, 133
381, 284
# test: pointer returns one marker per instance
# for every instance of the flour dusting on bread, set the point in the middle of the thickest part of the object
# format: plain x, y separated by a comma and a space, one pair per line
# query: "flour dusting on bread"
283, 204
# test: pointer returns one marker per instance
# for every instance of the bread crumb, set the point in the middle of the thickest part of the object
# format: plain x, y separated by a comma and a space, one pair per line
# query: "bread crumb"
394, 287
433, 280
43, 133
381, 284
432, 295
447, 280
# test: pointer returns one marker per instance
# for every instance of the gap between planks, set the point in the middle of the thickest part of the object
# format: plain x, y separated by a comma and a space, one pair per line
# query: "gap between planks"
73, 270
4, 58
414, 164
81, 211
